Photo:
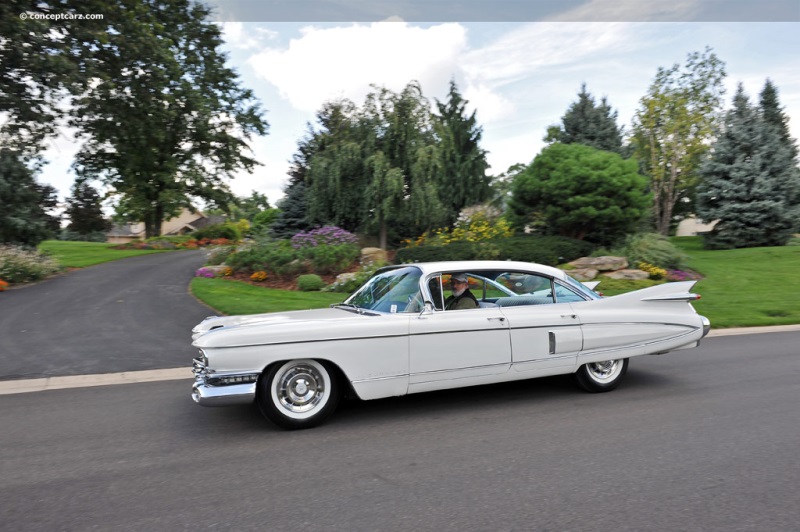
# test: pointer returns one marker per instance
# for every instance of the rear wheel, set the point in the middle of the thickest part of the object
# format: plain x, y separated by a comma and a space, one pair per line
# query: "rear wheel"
601, 376
298, 394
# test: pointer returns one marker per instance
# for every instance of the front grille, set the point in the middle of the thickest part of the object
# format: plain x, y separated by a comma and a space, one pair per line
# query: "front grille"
199, 368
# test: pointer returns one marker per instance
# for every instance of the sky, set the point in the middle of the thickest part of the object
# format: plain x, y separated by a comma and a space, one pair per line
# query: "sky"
520, 77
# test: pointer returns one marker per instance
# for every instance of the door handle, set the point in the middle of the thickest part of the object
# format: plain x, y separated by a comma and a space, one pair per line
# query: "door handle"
498, 319
570, 316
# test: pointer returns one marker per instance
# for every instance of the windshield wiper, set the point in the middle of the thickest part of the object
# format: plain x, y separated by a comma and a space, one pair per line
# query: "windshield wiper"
354, 308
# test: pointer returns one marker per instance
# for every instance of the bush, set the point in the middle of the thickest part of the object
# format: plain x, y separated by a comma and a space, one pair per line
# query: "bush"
310, 283
213, 232
219, 255
18, 265
327, 259
276, 257
653, 248
72, 236
550, 250
328, 235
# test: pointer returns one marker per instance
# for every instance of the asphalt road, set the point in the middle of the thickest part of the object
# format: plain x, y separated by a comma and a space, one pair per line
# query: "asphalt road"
126, 315
697, 440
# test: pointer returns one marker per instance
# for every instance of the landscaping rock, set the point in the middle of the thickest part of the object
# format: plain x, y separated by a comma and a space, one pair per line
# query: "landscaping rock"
603, 264
582, 274
373, 255
218, 270
631, 275
344, 277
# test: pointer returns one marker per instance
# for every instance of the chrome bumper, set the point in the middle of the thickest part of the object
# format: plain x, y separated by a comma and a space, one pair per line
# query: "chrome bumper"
222, 389
706, 325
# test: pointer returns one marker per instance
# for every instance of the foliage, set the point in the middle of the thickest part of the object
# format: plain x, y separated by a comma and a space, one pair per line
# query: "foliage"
259, 276
25, 215
588, 123
550, 250
652, 248
95, 236
580, 192
475, 224
18, 265
310, 283
276, 257
672, 130
205, 272
328, 235
750, 185
292, 215
164, 120
462, 174
330, 258
85, 210
211, 232
219, 254
351, 283
654, 272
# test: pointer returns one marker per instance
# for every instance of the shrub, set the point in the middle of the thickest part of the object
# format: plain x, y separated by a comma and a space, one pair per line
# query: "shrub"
259, 276
310, 283
327, 259
654, 272
653, 248
205, 272
18, 265
94, 236
3, 285
277, 257
219, 255
328, 235
213, 232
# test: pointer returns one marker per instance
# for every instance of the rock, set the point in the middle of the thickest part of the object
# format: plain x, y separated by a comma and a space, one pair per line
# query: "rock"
582, 274
344, 277
631, 275
373, 255
218, 270
603, 264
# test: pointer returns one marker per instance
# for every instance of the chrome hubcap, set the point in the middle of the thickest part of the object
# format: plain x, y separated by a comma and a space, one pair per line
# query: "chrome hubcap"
301, 388
604, 370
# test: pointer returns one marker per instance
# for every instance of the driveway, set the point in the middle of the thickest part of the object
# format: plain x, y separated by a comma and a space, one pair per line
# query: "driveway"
126, 315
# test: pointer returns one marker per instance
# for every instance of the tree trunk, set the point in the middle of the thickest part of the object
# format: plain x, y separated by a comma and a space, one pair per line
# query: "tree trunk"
382, 237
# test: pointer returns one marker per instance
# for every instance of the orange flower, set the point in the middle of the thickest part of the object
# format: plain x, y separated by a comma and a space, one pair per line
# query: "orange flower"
3, 285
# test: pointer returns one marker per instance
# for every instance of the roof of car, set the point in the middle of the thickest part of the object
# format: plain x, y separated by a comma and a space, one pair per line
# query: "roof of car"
478, 265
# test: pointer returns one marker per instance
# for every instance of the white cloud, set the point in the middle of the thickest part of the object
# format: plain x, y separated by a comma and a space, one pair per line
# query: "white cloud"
324, 64
237, 36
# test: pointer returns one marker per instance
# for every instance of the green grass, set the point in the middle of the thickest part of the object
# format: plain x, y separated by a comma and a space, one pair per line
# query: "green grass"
745, 287
235, 297
81, 254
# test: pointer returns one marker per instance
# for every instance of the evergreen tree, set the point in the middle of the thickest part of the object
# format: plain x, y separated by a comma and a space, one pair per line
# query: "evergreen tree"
580, 192
588, 123
85, 210
292, 216
772, 113
25, 205
462, 181
749, 184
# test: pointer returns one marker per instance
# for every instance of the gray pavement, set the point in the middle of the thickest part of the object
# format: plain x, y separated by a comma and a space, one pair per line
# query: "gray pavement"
128, 315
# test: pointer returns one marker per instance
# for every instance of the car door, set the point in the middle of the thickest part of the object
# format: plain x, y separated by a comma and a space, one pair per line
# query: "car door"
545, 330
457, 344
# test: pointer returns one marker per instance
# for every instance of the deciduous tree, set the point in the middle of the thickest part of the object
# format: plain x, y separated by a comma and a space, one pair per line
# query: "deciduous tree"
673, 128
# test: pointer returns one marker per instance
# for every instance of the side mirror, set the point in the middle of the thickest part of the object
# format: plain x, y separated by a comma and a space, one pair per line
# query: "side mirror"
427, 308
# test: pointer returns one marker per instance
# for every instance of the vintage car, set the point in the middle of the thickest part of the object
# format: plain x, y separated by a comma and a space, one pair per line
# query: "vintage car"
393, 336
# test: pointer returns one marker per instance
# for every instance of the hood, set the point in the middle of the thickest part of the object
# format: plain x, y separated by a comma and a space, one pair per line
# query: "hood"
254, 329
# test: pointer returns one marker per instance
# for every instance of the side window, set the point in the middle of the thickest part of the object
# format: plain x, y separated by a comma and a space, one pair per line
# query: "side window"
565, 295
525, 284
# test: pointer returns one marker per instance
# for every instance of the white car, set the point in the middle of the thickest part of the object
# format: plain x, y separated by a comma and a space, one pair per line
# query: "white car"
394, 337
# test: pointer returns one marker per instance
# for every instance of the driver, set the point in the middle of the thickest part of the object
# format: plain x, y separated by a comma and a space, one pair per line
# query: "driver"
462, 298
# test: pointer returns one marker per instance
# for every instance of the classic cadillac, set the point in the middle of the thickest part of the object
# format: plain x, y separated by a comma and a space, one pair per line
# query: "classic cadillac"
399, 334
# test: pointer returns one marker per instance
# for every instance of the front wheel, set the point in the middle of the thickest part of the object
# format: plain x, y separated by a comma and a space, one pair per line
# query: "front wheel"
298, 394
601, 376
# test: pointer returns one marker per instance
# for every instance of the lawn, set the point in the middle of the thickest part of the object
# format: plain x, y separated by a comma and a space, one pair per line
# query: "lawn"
746, 287
235, 297
82, 254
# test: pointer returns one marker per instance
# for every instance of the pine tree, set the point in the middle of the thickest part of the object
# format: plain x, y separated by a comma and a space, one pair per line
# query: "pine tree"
25, 205
773, 114
588, 123
462, 180
85, 210
749, 184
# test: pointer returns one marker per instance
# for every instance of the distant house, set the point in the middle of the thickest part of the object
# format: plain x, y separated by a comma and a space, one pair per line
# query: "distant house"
186, 222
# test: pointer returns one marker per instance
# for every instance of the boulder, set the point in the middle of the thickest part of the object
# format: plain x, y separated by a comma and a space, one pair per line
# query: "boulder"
602, 264
344, 277
582, 274
631, 275
373, 255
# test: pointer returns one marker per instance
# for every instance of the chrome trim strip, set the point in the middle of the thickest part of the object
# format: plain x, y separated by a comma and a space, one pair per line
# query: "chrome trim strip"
630, 346
232, 394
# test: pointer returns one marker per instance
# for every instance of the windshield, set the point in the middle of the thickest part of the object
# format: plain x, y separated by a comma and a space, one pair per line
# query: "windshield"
390, 291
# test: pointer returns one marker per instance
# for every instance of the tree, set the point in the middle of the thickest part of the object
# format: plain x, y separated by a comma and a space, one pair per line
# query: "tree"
587, 123
673, 128
164, 120
580, 192
85, 210
25, 205
772, 113
750, 183
462, 177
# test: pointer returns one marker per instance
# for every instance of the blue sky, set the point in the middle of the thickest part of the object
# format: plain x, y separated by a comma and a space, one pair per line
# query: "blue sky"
519, 76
